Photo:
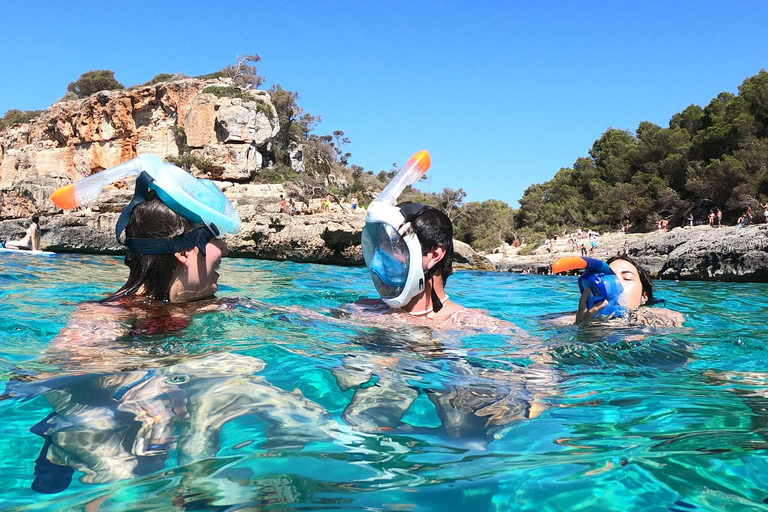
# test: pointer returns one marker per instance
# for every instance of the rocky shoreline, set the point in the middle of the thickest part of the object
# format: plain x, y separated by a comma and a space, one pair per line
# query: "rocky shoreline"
699, 253
74, 139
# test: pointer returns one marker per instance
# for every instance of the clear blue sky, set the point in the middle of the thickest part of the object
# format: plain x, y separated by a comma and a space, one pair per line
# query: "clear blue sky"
502, 93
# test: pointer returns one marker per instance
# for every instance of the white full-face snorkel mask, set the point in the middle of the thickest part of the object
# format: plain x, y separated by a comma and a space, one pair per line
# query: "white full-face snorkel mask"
392, 253
391, 248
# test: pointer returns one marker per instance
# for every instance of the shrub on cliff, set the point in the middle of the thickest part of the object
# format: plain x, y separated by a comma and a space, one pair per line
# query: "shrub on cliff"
17, 116
94, 81
244, 74
165, 77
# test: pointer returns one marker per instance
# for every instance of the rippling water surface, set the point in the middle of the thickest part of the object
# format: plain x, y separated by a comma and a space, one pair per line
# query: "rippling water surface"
277, 402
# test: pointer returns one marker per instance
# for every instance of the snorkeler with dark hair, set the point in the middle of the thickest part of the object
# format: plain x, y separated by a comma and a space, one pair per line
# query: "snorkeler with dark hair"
638, 292
408, 249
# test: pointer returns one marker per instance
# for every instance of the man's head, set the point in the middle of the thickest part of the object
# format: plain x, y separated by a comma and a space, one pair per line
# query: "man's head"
434, 229
409, 250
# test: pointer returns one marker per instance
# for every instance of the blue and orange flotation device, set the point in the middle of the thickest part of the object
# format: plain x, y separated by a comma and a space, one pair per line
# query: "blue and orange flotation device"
599, 277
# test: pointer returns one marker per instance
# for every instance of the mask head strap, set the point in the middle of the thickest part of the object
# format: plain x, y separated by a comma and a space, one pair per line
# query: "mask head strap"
196, 238
412, 210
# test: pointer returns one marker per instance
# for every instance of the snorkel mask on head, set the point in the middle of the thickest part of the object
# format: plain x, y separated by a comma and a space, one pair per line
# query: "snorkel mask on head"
391, 248
599, 277
197, 200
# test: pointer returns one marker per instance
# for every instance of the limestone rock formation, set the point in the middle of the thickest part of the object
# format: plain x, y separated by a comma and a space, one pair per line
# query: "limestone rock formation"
74, 139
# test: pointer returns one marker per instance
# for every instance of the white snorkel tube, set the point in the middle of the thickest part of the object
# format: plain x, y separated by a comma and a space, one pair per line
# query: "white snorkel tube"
390, 247
416, 167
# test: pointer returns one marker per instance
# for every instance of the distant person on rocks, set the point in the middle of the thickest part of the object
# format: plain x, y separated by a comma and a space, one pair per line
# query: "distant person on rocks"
765, 213
583, 249
283, 207
31, 240
711, 218
719, 218
354, 204
690, 220
749, 215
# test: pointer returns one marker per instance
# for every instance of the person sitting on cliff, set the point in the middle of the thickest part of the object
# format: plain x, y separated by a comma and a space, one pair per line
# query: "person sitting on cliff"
638, 289
31, 240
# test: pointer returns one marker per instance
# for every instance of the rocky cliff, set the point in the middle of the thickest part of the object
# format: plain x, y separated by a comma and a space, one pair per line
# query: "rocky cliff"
74, 139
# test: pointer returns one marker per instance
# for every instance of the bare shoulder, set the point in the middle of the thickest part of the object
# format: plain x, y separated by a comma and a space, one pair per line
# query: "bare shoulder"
658, 317
93, 323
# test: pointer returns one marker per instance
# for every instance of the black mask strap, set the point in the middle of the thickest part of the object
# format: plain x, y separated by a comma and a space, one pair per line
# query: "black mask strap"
412, 210
196, 238
139, 196
437, 304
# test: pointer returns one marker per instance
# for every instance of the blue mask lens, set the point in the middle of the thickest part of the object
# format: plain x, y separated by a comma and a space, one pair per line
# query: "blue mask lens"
386, 255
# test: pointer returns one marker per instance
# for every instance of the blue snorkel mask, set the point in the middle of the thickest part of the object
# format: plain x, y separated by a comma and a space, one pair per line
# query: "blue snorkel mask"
602, 282
198, 200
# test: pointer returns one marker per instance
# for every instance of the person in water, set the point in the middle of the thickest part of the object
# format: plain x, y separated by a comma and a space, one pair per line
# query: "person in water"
120, 409
408, 249
31, 240
638, 289
174, 252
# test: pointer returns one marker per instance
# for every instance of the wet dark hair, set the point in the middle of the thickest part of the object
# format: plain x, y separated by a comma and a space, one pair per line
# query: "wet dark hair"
36, 219
434, 228
151, 219
645, 278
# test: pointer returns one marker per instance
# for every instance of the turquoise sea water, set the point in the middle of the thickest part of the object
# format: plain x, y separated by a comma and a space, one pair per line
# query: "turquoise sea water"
275, 404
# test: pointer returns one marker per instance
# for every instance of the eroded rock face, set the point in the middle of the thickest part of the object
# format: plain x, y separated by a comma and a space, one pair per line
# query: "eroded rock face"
74, 139
727, 254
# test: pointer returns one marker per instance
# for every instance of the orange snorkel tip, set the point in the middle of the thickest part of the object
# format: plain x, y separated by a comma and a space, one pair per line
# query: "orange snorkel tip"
422, 159
65, 198
569, 263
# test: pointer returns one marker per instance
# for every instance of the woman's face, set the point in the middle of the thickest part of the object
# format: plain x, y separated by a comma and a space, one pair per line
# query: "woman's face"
630, 279
196, 278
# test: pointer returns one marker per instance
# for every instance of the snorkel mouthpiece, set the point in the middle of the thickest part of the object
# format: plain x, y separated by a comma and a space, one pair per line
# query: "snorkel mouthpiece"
599, 277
